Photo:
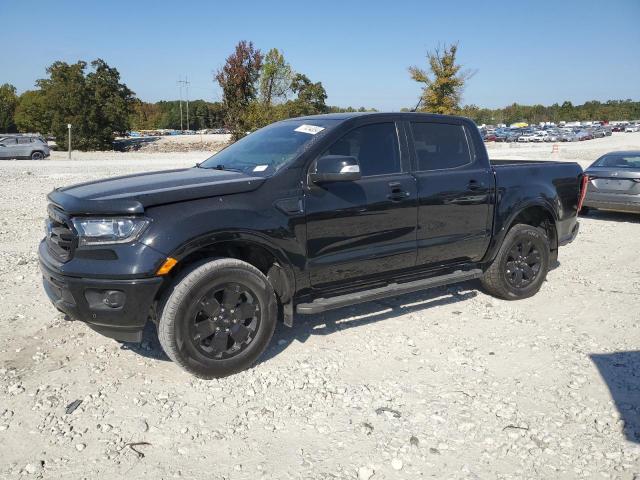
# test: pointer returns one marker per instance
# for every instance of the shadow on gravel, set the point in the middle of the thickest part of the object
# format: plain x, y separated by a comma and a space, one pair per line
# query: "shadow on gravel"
150, 345
337, 320
613, 216
621, 372
330, 322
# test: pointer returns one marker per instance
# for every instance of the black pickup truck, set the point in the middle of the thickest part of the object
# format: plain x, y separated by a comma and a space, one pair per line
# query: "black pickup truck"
302, 216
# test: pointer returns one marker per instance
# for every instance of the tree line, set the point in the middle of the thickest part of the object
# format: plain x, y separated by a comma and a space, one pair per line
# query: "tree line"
257, 89
594, 110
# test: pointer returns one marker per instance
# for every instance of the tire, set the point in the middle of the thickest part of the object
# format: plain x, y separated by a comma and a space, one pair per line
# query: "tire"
37, 155
199, 328
507, 277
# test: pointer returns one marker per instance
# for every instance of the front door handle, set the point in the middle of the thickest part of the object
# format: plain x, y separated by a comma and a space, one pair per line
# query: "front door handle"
397, 193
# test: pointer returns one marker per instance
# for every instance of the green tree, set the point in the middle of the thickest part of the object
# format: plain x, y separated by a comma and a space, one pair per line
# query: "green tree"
238, 79
311, 96
145, 116
97, 105
111, 104
31, 113
444, 83
166, 114
66, 98
567, 112
8, 103
275, 79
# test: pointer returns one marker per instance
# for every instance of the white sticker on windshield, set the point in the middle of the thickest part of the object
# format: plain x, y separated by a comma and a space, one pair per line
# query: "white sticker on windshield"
260, 168
311, 129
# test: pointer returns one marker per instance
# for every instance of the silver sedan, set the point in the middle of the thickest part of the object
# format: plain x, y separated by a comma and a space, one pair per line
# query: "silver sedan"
614, 183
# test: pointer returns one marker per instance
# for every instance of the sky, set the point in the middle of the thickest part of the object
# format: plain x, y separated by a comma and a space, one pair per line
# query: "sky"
526, 52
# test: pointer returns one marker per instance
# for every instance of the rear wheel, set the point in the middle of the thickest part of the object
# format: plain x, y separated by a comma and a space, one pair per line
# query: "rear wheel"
521, 264
218, 319
37, 156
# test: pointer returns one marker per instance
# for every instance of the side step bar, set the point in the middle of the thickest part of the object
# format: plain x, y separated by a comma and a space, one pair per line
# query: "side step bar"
322, 304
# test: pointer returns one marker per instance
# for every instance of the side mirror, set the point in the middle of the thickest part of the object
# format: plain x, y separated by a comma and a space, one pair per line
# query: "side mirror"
335, 168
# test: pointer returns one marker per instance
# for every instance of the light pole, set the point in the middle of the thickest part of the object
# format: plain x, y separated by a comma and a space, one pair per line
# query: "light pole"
69, 143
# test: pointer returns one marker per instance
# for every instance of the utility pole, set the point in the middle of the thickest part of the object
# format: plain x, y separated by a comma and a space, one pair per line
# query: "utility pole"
180, 85
69, 127
186, 84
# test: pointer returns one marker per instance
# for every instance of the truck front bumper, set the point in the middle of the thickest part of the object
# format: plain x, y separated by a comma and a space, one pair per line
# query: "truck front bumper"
115, 308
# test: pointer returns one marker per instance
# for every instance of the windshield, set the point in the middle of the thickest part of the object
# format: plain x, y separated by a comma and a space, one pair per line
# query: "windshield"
619, 161
266, 150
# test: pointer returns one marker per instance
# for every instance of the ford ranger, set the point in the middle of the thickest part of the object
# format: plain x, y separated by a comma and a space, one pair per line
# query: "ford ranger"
299, 217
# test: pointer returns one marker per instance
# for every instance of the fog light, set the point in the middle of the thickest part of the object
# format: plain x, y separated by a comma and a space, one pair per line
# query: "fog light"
104, 299
113, 298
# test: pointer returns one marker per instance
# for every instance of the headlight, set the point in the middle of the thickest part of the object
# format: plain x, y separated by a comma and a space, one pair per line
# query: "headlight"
103, 231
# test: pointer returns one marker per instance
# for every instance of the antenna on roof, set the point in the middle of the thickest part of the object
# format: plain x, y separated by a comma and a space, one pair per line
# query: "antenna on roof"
417, 105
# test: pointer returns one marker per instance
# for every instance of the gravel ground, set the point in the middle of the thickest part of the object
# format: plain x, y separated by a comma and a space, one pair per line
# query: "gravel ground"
447, 383
174, 143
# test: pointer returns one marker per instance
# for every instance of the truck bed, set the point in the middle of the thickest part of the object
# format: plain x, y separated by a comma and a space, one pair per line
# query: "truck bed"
501, 163
551, 183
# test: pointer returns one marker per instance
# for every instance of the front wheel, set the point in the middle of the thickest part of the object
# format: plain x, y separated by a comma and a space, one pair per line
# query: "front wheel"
521, 264
37, 155
218, 319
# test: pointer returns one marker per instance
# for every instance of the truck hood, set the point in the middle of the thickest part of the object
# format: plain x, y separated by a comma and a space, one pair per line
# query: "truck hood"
130, 194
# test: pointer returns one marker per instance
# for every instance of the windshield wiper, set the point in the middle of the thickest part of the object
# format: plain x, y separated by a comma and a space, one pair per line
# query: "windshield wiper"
222, 167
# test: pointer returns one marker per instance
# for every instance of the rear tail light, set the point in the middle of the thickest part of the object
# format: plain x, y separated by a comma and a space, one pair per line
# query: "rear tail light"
584, 182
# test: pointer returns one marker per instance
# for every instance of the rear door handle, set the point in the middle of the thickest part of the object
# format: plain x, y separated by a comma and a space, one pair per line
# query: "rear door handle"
475, 185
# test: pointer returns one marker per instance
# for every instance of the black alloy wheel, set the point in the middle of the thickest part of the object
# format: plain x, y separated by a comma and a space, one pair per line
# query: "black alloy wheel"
217, 317
225, 320
523, 263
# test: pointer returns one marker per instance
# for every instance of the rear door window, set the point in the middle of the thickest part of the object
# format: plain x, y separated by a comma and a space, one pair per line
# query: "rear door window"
440, 146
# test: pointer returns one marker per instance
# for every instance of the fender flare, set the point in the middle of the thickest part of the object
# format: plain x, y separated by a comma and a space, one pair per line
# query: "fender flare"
209, 240
498, 237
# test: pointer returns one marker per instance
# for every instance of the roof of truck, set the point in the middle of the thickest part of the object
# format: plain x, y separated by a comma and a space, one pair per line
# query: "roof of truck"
348, 115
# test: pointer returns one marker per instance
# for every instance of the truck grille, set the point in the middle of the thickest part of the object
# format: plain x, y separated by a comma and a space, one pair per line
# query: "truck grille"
60, 238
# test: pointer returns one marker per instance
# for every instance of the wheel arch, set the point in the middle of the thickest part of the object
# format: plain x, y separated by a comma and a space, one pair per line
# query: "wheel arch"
246, 246
537, 213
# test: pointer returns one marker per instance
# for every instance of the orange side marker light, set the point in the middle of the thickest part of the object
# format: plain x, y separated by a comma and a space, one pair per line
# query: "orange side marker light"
166, 267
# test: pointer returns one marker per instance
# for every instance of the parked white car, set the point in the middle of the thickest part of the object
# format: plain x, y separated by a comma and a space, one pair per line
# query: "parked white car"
526, 138
540, 136
632, 128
